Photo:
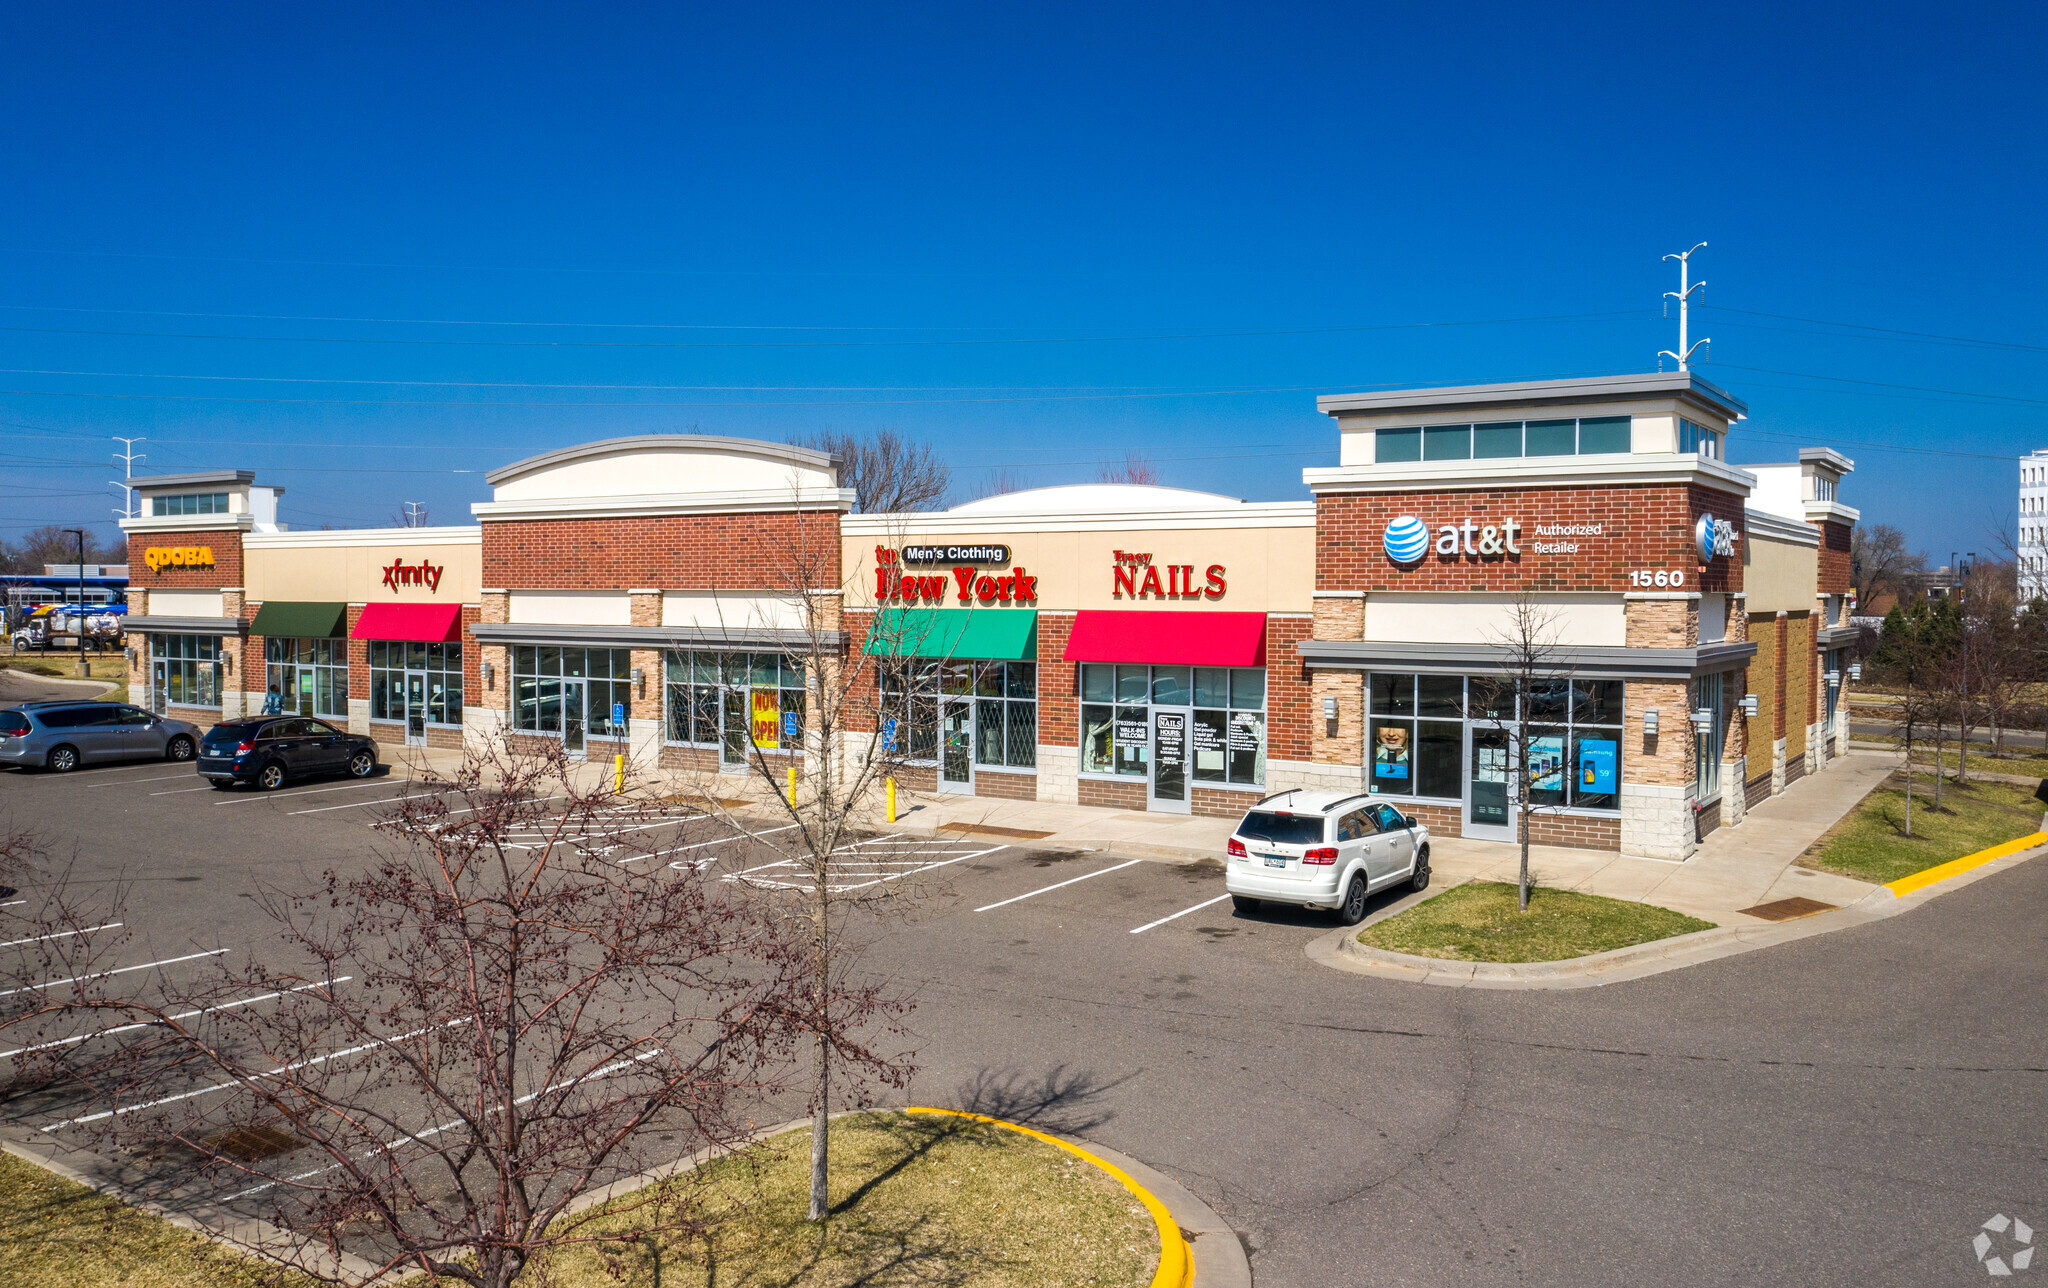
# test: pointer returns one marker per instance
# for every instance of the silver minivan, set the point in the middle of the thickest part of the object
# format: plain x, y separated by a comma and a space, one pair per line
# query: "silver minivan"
61, 736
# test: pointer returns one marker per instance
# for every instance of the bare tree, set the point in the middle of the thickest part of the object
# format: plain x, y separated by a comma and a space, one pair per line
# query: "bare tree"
888, 473
1879, 560
1133, 469
453, 1049
998, 482
828, 862
1530, 674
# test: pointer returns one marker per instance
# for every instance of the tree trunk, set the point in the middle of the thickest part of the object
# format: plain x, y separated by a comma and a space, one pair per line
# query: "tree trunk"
821, 1071
1909, 784
1522, 818
1937, 768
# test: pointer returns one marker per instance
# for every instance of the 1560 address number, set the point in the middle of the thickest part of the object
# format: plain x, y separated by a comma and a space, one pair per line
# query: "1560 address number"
1660, 578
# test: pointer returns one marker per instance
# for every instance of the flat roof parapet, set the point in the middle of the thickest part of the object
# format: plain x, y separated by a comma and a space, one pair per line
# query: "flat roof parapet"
1525, 393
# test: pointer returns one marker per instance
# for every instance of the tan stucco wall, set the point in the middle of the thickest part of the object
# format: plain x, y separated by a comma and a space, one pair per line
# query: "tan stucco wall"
1266, 569
328, 570
1779, 575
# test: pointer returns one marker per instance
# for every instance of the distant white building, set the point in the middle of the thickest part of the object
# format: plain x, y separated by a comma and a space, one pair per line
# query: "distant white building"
2033, 525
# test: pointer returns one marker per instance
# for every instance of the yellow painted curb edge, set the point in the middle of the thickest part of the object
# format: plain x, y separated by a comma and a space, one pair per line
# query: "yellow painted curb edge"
1176, 1269
1956, 867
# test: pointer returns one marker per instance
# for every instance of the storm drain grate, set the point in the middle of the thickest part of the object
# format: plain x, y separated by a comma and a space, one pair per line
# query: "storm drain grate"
1787, 909
990, 829
253, 1144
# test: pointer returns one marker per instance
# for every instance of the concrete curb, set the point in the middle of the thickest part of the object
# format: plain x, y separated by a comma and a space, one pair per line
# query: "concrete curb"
1340, 949
1219, 1255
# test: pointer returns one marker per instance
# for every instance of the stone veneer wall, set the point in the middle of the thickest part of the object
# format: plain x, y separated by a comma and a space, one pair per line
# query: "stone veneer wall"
1657, 789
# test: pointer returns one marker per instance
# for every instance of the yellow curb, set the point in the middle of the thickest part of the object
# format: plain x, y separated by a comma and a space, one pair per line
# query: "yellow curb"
1956, 867
1175, 1268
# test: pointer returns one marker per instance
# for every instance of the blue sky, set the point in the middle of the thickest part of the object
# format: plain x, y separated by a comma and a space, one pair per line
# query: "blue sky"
363, 248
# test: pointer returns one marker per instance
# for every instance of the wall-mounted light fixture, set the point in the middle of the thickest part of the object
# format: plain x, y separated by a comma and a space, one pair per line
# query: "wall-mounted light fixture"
1749, 705
1330, 717
1855, 670
1834, 679
1649, 722
489, 673
1703, 719
227, 662
639, 682
131, 657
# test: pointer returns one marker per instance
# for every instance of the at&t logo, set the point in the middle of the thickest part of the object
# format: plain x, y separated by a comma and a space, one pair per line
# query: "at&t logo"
1407, 539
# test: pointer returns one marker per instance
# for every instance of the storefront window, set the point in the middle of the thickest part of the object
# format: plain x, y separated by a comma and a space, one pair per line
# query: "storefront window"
1003, 697
1229, 721
570, 691
1006, 714
405, 675
738, 699
187, 670
1415, 735
310, 675
1707, 743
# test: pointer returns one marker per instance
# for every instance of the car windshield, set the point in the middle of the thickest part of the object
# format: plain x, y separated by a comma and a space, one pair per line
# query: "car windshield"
1281, 829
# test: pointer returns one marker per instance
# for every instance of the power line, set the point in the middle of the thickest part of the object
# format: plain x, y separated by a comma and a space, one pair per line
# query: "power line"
1881, 330
821, 344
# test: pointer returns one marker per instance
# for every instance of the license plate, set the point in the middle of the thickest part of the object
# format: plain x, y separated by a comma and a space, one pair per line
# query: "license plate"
1275, 860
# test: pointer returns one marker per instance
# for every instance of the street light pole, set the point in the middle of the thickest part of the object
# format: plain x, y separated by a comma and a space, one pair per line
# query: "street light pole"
83, 669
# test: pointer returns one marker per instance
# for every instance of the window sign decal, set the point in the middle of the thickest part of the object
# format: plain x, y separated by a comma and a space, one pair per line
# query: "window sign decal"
1390, 755
1596, 764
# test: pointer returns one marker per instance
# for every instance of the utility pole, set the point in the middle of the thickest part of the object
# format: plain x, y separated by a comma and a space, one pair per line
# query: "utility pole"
1683, 357
83, 669
127, 457
415, 514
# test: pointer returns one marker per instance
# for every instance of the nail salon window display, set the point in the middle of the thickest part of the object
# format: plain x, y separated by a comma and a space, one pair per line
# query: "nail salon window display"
1227, 733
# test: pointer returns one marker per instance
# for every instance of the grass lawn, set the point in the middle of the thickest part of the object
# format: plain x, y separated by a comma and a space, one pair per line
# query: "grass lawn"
55, 1233
1482, 922
2013, 762
111, 668
1871, 844
916, 1201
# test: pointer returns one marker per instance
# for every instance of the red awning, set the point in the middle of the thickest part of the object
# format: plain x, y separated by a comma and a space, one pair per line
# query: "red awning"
416, 623
1168, 638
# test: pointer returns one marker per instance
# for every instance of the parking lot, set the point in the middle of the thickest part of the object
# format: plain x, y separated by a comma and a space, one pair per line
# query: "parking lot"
1849, 1108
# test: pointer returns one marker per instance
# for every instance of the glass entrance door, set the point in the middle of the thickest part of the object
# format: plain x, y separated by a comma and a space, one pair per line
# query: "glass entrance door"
573, 724
415, 709
956, 747
734, 735
1169, 791
159, 687
1489, 784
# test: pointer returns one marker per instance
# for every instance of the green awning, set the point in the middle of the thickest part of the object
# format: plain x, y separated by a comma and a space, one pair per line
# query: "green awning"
287, 618
1009, 634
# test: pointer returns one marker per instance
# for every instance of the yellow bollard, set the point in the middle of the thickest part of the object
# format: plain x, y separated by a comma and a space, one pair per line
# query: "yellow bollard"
792, 782
618, 773
892, 800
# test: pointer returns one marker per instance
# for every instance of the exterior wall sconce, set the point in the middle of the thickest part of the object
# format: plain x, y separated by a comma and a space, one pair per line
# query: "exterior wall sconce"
1855, 670
1834, 679
1649, 722
1703, 719
1330, 717
227, 663
490, 672
639, 682
131, 657
1749, 705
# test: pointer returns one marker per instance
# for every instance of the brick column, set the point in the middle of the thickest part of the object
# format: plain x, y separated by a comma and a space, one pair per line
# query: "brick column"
1657, 787
234, 688
359, 676
1785, 663
1339, 615
138, 652
1735, 741
485, 720
645, 707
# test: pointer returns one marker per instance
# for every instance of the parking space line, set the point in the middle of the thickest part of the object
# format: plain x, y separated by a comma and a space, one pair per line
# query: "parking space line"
75, 979
62, 934
314, 791
123, 782
1045, 889
716, 840
389, 800
181, 1015
1182, 913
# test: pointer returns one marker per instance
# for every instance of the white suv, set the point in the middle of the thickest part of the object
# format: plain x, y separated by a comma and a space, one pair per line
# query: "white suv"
1324, 850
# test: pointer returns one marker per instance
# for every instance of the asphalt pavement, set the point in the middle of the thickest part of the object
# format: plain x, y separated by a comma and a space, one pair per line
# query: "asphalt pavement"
1845, 1109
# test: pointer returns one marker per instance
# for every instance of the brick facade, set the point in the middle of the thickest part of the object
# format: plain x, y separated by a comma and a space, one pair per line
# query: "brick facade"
1126, 794
672, 552
1836, 577
226, 569
1645, 528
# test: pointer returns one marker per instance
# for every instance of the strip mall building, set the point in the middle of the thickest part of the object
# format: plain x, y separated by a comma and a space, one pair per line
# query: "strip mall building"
1144, 648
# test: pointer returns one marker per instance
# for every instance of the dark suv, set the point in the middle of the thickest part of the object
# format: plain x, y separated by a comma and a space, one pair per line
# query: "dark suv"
270, 751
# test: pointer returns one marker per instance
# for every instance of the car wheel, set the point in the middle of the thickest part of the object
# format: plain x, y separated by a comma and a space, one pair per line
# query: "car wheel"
178, 748
1353, 910
1420, 881
270, 777
1245, 903
62, 760
362, 764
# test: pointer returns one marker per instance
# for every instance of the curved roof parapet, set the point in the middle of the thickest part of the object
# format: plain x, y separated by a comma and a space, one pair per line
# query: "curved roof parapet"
1096, 498
709, 444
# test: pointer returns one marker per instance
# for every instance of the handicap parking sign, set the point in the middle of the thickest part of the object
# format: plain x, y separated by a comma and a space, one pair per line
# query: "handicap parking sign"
618, 713
789, 730
889, 734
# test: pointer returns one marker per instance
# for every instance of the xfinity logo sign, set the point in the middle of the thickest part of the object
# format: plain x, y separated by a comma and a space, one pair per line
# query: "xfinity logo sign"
1713, 537
1407, 539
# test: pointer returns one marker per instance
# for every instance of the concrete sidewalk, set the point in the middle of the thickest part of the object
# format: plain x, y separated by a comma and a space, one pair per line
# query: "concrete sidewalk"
1736, 868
